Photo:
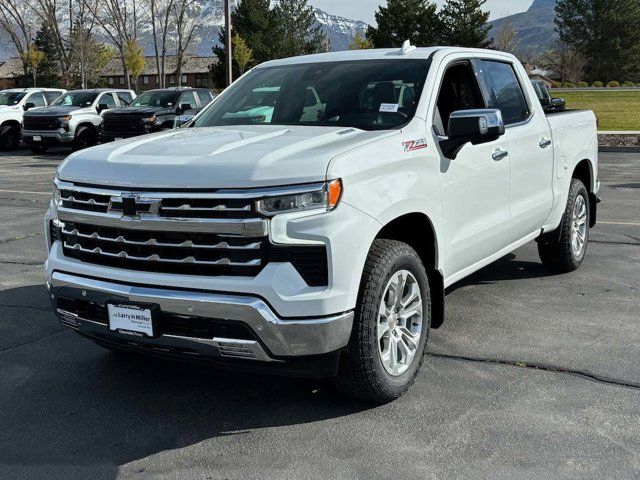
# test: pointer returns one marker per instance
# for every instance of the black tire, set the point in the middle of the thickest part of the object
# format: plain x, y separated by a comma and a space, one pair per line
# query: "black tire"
555, 248
10, 138
38, 148
85, 138
361, 373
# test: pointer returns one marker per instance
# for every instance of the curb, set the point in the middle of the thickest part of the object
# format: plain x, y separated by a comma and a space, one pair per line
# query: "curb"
607, 149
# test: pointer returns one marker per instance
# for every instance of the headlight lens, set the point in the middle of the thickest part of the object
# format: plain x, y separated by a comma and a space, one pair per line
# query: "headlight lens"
151, 119
66, 118
325, 197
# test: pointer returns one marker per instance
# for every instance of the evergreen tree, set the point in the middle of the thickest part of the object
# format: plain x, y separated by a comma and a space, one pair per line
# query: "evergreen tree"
465, 24
400, 20
606, 33
299, 34
257, 23
48, 71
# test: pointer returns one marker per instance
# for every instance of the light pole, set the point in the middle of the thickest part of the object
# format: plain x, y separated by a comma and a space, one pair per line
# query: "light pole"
227, 27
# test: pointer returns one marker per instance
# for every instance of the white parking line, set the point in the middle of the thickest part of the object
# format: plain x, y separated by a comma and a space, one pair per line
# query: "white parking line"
620, 223
24, 191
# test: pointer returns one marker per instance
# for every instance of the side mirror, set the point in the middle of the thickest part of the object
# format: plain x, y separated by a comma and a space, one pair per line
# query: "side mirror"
558, 103
102, 107
545, 102
28, 105
184, 107
471, 126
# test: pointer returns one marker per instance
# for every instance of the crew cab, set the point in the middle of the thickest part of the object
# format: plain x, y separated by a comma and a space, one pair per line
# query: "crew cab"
154, 111
320, 244
13, 103
74, 119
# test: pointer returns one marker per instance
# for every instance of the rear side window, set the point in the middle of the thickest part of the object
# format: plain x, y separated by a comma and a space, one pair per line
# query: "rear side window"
505, 92
107, 99
188, 98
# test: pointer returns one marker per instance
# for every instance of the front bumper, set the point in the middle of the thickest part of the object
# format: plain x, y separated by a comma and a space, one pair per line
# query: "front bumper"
273, 339
48, 137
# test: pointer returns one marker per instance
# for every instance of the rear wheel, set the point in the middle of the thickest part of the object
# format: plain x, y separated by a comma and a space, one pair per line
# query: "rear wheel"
563, 250
85, 138
391, 325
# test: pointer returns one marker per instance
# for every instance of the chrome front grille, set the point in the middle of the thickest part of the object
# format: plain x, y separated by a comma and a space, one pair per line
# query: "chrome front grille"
197, 233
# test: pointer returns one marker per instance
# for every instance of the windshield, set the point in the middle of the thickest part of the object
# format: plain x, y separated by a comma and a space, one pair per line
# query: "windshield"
156, 99
76, 99
370, 95
11, 98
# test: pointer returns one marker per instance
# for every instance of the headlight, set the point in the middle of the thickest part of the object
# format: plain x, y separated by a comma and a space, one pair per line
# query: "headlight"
151, 119
66, 118
55, 200
324, 196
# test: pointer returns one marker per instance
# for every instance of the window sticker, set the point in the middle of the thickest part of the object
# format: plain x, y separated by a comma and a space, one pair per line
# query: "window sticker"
389, 107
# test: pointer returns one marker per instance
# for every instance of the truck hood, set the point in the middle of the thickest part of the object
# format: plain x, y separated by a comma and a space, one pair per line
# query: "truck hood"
216, 157
141, 111
55, 111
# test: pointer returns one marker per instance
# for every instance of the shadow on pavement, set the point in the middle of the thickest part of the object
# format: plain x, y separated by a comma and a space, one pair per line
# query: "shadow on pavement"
507, 268
66, 402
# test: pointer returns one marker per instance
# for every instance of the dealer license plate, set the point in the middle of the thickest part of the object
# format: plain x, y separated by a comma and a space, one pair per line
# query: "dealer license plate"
130, 320
37, 138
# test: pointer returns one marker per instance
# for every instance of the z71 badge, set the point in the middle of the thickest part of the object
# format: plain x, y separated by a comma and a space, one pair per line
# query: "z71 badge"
414, 145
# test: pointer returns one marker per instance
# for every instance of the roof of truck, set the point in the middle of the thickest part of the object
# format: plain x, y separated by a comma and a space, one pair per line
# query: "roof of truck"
380, 54
31, 89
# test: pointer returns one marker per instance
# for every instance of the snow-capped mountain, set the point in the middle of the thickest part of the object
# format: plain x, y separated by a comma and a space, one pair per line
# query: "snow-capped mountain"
340, 31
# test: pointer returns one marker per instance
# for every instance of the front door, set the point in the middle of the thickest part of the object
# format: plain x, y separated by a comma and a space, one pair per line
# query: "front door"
475, 186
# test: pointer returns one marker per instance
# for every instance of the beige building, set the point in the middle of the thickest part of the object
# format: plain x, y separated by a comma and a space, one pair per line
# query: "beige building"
10, 70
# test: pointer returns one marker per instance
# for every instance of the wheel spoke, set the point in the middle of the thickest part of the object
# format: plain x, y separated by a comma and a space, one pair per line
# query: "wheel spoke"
411, 310
406, 351
402, 281
383, 330
414, 291
393, 360
410, 338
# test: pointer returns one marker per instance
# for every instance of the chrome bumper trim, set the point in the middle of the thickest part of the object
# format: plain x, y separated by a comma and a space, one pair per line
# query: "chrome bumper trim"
281, 337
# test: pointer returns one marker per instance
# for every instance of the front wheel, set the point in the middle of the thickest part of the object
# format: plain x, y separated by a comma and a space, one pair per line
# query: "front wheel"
85, 138
391, 325
38, 148
563, 250
10, 138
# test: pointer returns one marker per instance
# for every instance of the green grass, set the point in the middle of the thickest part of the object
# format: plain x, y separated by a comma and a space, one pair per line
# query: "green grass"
615, 110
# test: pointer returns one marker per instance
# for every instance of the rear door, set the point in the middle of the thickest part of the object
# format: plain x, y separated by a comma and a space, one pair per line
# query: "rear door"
530, 145
475, 185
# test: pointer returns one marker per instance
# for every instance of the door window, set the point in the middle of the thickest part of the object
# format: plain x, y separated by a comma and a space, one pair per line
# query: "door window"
459, 91
505, 92
108, 100
50, 96
125, 98
37, 99
190, 98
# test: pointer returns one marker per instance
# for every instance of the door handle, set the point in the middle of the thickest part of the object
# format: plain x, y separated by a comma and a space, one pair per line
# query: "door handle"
544, 143
500, 154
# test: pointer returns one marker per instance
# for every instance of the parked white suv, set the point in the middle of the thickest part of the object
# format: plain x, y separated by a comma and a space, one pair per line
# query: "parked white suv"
267, 237
13, 103
73, 119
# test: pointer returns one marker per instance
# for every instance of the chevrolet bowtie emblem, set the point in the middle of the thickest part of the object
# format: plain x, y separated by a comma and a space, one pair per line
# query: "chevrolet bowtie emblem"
133, 204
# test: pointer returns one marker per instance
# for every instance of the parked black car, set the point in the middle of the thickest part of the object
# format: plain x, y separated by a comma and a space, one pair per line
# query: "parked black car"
153, 111
549, 104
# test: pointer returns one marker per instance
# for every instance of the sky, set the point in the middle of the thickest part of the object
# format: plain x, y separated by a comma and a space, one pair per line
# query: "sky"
365, 9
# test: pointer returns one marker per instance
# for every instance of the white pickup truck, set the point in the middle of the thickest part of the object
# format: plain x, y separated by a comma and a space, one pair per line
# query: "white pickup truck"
13, 103
266, 238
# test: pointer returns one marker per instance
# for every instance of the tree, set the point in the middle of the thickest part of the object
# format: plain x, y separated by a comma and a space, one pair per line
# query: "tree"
34, 58
400, 20
133, 58
49, 70
465, 23
605, 33
187, 18
300, 36
566, 62
256, 22
90, 55
360, 43
160, 15
507, 39
16, 23
242, 54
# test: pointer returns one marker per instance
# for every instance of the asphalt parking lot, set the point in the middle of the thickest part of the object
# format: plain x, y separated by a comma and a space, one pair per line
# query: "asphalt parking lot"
532, 376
